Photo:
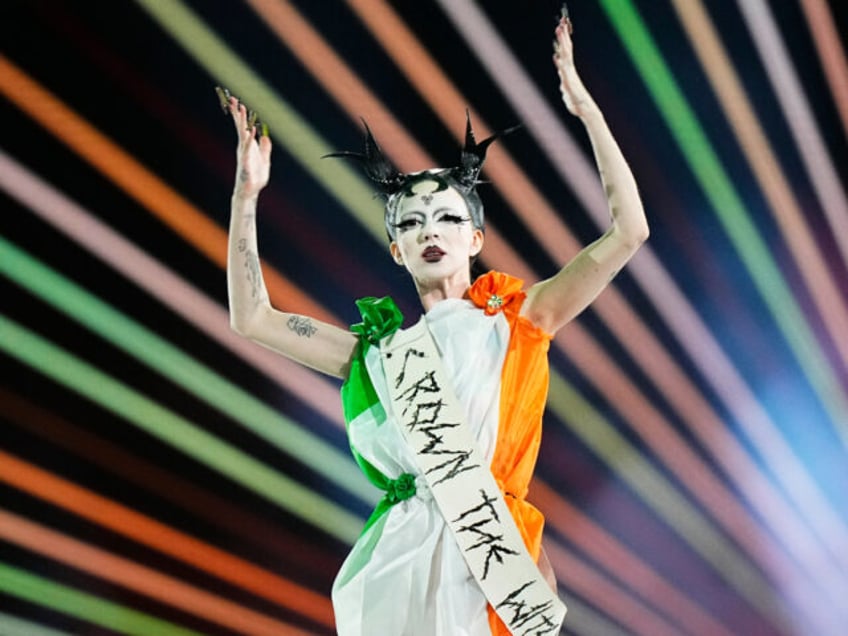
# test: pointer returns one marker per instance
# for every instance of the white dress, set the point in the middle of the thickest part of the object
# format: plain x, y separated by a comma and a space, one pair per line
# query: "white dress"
405, 576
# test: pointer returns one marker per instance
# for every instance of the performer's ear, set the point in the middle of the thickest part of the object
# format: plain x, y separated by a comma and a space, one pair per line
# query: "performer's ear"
395, 250
477, 242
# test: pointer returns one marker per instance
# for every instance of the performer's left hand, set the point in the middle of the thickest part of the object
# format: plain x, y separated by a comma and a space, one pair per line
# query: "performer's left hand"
574, 93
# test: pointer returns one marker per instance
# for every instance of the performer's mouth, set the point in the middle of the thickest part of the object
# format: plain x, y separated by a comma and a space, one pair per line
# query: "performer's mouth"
432, 254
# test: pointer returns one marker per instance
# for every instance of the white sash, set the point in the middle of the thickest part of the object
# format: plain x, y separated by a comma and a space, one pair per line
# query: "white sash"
465, 491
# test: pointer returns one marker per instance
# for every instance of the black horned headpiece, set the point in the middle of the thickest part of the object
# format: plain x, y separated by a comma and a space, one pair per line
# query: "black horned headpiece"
394, 185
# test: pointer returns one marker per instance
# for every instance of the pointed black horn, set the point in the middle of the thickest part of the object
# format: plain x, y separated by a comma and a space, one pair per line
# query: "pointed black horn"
375, 164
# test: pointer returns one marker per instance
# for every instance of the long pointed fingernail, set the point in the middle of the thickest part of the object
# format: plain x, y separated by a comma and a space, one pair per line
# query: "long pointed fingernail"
264, 129
223, 98
251, 118
564, 11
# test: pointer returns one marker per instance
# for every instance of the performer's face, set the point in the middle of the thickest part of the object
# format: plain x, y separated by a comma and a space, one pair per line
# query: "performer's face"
434, 234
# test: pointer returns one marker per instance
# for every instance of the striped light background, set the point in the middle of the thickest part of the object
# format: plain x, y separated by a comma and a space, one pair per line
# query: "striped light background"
161, 475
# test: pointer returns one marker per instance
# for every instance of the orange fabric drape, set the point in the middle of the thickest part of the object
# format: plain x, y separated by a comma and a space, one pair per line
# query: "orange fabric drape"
524, 391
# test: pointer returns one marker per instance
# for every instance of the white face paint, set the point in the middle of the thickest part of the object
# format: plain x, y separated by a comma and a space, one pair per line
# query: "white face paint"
435, 237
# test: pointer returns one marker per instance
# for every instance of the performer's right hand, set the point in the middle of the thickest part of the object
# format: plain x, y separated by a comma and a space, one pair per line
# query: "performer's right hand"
253, 167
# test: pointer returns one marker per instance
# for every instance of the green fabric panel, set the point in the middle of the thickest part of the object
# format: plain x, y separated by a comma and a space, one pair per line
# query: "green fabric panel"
380, 318
358, 393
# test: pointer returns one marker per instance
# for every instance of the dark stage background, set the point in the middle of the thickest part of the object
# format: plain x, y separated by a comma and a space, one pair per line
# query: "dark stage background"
160, 475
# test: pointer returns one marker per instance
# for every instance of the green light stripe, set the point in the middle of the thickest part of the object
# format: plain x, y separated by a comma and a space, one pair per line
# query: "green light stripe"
63, 367
40, 591
172, 363
13, 625
658, 493
288, 128
731, 212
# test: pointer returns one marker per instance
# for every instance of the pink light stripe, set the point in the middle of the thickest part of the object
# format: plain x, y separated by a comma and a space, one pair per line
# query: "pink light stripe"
831, 53
159, 281
572, 165
138, 578
583, 619
545, 125
799, 117
581, 579
787, 211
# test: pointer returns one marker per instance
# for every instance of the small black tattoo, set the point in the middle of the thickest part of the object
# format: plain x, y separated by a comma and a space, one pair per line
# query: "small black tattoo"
254, 272
302, 326
242, 245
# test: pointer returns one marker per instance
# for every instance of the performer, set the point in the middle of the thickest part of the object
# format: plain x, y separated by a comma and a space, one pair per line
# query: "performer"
412, 571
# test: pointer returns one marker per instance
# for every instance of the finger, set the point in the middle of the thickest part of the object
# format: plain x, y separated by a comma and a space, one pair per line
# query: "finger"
223, 98
242, 115
239, 118
265, 148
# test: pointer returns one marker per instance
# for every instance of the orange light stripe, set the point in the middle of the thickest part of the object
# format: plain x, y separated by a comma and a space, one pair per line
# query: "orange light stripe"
284, 544
139, 183
333, 74
621, 562
445, 100
163, 588
831, 53
88, 505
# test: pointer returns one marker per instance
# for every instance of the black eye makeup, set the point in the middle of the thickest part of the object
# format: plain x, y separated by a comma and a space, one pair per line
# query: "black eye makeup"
416, 219
453, 218
407, 224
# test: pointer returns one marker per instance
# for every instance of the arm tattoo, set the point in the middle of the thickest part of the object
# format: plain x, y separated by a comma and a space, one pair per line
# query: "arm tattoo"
242, 245
254, 272
302, 326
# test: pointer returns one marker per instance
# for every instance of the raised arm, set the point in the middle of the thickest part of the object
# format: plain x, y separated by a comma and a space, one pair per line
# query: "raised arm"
554, 302
311, 342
